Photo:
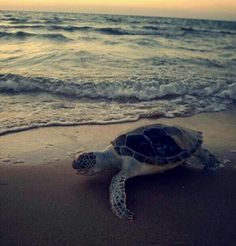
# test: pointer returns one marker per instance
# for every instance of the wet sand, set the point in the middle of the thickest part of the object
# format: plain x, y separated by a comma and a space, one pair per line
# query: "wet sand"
43, 201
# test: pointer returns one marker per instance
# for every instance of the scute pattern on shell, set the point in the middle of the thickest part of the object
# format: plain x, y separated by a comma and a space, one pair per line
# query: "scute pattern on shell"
158, 144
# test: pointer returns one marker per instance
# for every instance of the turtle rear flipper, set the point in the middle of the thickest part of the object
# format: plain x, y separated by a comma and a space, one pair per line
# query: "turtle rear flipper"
193, 162
208, 160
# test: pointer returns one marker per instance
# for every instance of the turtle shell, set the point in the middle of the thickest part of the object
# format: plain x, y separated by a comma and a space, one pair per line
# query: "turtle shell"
158, 144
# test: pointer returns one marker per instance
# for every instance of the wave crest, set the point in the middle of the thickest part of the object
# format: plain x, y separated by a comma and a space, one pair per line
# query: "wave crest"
128, 91
24, 35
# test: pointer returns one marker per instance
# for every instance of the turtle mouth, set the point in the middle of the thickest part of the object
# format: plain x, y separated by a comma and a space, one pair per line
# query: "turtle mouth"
74, 165
85, 172
78, 170
81, 172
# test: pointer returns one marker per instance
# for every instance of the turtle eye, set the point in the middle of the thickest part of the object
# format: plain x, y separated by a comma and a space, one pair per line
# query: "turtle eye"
83, 164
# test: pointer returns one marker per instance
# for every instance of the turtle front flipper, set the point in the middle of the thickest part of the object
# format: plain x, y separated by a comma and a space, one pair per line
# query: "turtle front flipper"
118, 196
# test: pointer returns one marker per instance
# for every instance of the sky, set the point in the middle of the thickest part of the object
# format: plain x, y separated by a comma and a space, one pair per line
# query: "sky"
206, 9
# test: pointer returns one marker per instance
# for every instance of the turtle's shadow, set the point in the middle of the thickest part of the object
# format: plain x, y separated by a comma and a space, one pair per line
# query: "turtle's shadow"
150, 187
174, 179
178, 176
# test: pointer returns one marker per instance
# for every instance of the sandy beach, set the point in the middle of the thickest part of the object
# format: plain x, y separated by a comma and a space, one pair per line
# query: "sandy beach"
43, 201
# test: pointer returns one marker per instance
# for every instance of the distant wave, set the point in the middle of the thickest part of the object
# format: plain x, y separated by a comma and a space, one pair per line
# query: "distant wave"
114, 19
18, 35
24, 35
212, 31
15, 20
122, 31
145, 30
155, 28
53, 20
68, 28
54, 36
11, 19
71, 28
130, 91
22, 26
113, 31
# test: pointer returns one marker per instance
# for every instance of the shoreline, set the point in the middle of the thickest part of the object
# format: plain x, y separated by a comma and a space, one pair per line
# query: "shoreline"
152, 117
46, 203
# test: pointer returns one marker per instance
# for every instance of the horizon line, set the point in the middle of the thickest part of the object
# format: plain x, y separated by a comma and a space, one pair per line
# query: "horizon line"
119, 14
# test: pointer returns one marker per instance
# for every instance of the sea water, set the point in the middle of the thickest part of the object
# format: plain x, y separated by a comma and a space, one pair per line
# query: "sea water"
71, 68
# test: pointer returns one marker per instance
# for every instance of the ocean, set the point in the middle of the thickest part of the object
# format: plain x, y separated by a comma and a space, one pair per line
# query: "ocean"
71, 68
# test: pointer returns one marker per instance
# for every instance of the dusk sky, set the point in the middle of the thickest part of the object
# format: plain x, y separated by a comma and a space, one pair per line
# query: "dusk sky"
208, 9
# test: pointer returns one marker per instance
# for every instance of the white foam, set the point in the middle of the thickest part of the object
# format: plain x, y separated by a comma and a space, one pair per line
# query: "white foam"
34, 111
117, 90
229, 92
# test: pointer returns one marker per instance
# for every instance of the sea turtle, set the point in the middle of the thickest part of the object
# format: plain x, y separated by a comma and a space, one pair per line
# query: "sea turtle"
145, 150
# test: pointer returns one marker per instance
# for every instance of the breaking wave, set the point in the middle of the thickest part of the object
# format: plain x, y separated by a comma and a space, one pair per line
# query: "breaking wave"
129, 91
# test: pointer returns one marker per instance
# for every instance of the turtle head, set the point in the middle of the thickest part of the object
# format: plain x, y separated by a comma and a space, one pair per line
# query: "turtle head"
86, 164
